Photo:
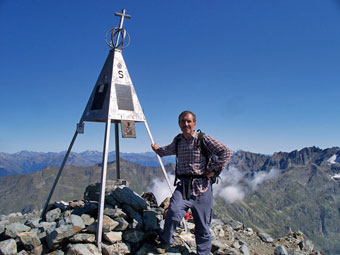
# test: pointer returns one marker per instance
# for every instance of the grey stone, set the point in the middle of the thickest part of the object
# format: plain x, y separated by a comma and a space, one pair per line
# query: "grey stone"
236, 244
30, 240
13, 229
8, 247
88, 220
57, 252
113, 236
109, 224
150, 220
244, 249
33, 222
265, 237
75, 220
133, 236
83, 238
236, 225
115, 213
218, 246
82, 249
23, 252
123, 224
53, 215
3, 225
280, 250
116, 249
134, 215
63, 206
56, 237
124, 195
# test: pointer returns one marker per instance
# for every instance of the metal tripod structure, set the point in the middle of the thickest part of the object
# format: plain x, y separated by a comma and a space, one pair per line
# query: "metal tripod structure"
113, 99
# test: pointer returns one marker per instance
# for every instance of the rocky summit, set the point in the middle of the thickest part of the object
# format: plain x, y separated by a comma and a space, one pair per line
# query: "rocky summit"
131, 225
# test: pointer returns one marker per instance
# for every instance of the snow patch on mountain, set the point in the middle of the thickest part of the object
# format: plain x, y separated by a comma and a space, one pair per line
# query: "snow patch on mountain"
334, 159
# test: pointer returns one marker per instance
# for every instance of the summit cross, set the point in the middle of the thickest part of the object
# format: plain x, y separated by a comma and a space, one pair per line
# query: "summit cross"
122, 16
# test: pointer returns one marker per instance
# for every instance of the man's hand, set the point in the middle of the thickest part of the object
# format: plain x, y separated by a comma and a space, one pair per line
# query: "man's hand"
155, 146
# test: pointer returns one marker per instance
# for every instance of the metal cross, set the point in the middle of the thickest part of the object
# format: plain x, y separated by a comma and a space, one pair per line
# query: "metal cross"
122, 16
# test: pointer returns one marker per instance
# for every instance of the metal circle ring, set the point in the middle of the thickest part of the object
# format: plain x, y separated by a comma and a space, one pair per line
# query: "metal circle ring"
114, 33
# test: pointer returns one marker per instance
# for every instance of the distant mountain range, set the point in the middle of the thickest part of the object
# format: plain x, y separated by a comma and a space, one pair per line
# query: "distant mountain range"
25, 162
270, 193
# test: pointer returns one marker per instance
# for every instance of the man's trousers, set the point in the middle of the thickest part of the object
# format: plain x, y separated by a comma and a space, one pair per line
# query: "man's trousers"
201, 208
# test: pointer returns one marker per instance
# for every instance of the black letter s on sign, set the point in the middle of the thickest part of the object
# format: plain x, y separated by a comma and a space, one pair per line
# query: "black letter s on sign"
121, 75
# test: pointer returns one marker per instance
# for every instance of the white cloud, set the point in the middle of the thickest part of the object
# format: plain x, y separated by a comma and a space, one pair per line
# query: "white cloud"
262, 176
231, 190
232, 193
160, 188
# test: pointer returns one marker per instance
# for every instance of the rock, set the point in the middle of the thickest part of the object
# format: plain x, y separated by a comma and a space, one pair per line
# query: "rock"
133, 236
150, 220
75, 221
244, 249
236, 225
13, 229
123, 224
77, 203
109, 224
3, 225
53, 215
113, 236
218, 246
124, 195
82, 249
59, 235
115, 213
87, 219
137, 218
8, 247
30, 240
265, 237
281, 250
116, 249
236, 244
83, 238
63, 206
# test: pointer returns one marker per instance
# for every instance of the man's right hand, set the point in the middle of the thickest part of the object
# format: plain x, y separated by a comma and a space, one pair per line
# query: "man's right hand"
155, 146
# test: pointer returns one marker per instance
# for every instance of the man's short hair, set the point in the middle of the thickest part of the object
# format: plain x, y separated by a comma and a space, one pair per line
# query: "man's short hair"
184, 113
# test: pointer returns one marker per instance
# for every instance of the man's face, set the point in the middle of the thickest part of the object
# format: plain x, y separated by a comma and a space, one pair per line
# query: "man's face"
187, 125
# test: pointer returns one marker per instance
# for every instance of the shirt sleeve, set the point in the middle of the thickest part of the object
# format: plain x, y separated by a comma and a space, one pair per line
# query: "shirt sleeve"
222, 153
168, 149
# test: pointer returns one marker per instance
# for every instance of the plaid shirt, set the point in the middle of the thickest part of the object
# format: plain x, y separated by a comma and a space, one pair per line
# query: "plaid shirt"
192, 161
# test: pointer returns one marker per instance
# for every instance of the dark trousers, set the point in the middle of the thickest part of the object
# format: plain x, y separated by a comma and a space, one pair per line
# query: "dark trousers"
201, 208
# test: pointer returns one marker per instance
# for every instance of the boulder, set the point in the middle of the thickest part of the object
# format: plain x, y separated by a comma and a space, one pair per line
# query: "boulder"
8, 247
265, 237
13, 229
82, 249
30, 240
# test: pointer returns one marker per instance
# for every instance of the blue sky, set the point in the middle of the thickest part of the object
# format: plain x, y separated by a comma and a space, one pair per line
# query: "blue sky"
262, 76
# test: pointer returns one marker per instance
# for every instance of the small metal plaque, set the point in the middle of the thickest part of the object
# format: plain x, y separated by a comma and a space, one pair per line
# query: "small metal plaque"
128, 129
124, 97
80, 128
99, 96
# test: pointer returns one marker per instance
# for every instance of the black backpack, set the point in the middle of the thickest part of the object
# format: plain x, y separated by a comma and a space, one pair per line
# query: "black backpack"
208, 157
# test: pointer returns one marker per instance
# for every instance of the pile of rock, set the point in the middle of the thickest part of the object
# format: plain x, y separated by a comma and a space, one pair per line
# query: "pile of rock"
130, 226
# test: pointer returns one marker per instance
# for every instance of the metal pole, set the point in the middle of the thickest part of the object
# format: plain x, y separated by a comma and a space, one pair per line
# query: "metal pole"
59, 173
159, 158
117, 149
103, 182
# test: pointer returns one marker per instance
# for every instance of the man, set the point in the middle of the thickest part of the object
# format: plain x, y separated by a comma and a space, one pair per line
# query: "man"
194, 189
